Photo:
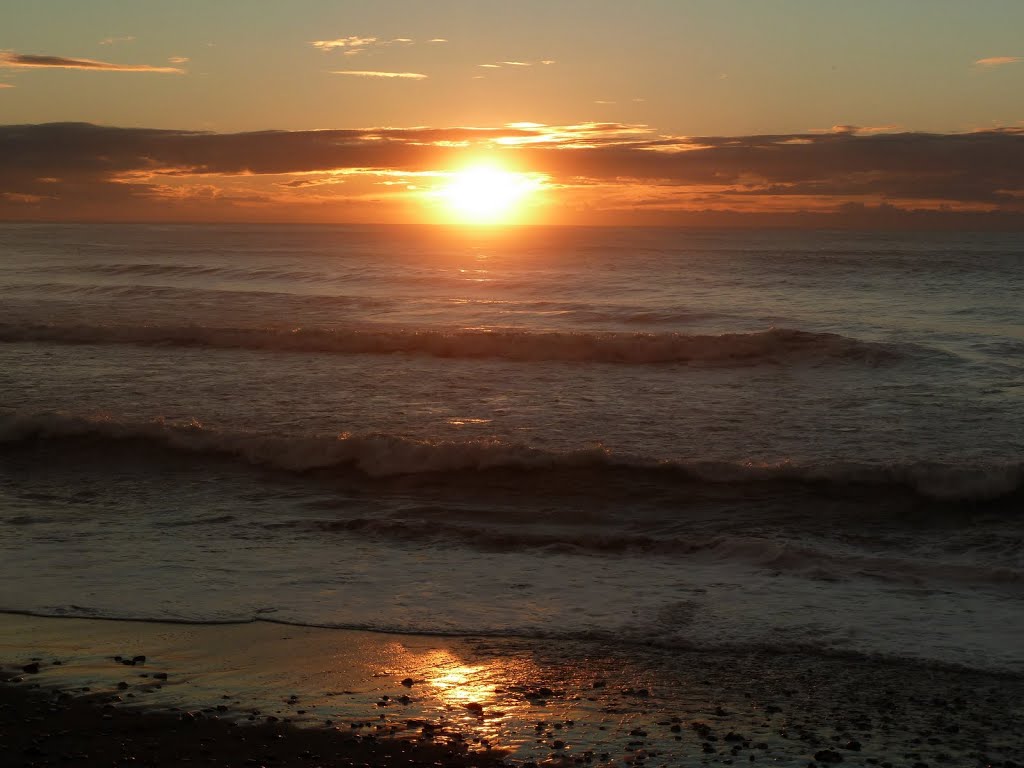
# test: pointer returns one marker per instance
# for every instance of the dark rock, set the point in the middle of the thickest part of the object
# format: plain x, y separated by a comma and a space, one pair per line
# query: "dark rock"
676, 728
160, 675
853, 746
408, 682
828, 756
558, 744
138, 660
122, 686
32, 668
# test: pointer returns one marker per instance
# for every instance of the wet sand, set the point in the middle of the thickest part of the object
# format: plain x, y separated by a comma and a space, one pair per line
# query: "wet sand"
77, 692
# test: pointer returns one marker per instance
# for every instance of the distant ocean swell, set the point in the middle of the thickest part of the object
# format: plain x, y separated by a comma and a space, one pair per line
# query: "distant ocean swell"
378, 455
777, 345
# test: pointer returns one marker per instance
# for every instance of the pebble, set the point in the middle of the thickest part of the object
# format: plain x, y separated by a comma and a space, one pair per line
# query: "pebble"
828, 756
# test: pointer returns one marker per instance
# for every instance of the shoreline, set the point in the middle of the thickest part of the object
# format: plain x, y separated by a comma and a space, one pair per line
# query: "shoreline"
622, 644
484, 700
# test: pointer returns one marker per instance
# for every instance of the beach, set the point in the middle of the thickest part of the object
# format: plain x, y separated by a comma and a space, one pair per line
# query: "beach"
276, 694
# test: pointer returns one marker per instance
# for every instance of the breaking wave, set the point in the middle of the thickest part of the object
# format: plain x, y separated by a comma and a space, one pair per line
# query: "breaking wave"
382, 455
776, 345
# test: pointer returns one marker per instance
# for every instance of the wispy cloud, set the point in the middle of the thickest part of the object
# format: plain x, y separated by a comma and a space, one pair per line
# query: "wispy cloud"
438, 40
179, 59
33, 61
372, 73
352, 42
500, 64
121, 39
6, 85
863, 130
355, 44
997, 61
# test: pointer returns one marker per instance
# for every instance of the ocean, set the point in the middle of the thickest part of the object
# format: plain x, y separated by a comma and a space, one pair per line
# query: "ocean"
677, 439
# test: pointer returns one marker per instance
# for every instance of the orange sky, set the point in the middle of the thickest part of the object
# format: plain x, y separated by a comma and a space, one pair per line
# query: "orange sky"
665, 112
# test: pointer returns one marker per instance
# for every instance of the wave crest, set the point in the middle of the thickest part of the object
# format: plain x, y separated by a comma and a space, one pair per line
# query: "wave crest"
776, 345
382, 455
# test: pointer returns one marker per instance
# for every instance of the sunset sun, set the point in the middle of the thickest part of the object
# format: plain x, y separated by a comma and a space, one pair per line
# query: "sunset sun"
487, 194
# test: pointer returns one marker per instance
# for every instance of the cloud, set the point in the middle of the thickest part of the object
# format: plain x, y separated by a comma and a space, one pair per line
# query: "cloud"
353, 41
858, 129
371, 73
500, 64
179, 59
438, 40
83, 170
6, 85
354, 44
33, 61
997, 61
113, 40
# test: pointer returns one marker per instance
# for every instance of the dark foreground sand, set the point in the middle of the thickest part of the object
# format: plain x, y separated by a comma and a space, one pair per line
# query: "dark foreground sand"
275, 695
39, 729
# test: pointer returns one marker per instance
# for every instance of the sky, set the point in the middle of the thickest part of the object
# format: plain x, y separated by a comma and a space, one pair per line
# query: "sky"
586, 111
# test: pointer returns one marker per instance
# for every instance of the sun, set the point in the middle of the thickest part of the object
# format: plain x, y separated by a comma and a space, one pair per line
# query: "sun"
487, 194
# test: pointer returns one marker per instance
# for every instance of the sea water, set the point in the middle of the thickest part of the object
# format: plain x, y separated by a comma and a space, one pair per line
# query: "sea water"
678, 438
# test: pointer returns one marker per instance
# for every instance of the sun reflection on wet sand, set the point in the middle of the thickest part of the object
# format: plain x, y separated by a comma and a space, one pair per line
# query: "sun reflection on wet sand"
465, 697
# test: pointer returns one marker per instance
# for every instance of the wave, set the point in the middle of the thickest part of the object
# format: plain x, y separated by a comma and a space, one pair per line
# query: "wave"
147, 269
382, 455
776, 345
815, 562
